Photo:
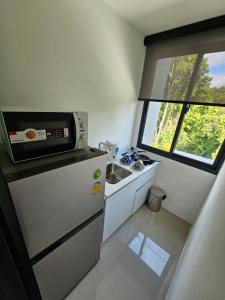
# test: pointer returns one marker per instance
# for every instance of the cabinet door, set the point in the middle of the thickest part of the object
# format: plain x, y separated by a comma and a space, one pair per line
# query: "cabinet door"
141, 196
147, 176
53, 203
118, 209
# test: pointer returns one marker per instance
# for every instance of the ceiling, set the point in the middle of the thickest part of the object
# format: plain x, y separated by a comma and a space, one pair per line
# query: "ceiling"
151, 16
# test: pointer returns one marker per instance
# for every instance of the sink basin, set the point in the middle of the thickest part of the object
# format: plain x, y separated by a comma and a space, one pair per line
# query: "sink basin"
115, 173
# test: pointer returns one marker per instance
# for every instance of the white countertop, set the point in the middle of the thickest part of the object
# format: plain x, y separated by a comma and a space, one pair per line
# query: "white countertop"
113, 188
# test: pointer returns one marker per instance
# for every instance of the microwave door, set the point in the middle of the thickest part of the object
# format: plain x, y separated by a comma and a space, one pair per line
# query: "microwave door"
36, 134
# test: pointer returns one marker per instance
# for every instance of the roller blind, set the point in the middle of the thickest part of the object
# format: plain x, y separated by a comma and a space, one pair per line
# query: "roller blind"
186, 69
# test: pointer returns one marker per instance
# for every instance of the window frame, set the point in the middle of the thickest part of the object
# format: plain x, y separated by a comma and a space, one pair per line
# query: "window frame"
174, 156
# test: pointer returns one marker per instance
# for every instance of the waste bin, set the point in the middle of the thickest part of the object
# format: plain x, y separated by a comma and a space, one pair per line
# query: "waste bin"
156, 196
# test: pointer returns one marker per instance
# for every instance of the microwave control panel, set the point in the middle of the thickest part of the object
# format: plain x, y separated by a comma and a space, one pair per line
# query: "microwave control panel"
83, 129
57, 132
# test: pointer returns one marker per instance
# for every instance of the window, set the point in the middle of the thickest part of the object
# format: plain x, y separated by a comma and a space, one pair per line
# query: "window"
188, 123
172, 77
161, 124
210, 83
202, 133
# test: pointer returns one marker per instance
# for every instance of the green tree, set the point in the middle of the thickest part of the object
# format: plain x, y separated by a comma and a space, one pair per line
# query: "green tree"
203, 129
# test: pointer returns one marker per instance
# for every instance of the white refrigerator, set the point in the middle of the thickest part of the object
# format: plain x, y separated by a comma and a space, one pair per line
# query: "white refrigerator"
61, 214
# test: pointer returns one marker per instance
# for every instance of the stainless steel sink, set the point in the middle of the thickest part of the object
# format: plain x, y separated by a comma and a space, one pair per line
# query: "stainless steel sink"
115, 173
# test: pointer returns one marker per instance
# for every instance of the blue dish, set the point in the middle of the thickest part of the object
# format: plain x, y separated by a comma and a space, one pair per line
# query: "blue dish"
127, 159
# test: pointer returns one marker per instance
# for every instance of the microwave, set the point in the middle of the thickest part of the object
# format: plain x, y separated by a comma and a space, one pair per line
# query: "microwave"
31, 135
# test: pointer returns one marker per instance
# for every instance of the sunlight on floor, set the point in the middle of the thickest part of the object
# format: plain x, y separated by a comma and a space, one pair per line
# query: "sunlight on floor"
151, 253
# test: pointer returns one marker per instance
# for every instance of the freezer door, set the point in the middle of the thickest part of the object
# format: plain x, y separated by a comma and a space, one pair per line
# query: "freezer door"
62, 269
51, 204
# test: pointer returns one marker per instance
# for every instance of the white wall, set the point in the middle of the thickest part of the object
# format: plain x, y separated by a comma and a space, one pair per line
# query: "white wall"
186, 187
71, 55
200, 272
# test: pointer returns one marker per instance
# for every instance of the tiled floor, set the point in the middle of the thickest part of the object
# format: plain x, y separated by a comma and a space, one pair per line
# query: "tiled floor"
138, 261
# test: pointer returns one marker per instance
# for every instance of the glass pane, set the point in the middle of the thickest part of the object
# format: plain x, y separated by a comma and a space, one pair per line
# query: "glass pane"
161, 123
172, 77
210, 86
202, 133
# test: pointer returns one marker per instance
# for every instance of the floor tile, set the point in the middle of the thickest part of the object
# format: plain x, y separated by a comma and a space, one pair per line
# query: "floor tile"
138, 261
91, 287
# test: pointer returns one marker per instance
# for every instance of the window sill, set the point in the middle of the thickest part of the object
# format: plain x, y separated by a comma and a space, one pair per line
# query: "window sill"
183, 159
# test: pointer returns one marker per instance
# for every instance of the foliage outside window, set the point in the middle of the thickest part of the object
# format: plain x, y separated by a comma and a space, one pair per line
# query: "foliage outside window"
193, 131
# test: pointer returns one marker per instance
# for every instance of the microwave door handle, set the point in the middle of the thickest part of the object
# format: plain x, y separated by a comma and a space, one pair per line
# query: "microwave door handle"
77, 130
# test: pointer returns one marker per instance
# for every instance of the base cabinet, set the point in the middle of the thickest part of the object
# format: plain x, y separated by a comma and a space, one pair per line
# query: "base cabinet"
117, 210
121, 205
141, 196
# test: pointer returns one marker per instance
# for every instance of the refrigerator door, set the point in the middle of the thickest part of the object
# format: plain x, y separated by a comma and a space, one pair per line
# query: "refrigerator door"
51, 204
63, 268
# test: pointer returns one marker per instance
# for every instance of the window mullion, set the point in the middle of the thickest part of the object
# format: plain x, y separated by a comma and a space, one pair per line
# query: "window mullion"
179, 124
